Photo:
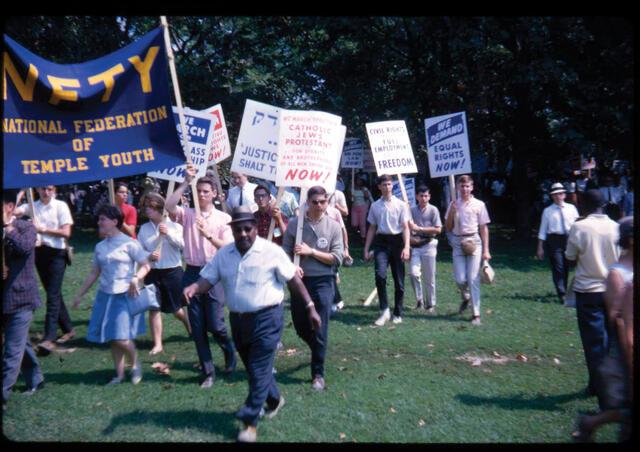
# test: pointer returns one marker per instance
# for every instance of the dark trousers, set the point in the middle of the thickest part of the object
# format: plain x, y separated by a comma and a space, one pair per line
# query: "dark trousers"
206, 315
17, 353
50, 263
387, 251
256, 336
556, 244
592, 323
321, 291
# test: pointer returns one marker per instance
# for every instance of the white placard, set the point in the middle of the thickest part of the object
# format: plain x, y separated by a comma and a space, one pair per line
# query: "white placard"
448, 144
220, 145
256, 151
352, 153
310, 144
200, 128
391, 147
410, 187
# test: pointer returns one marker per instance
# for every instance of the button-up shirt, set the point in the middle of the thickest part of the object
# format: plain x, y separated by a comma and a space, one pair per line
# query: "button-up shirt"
557, 219
116, 257
470, 215
53, 215
233, 199
390, 216
172, 243
197, 249
254, 281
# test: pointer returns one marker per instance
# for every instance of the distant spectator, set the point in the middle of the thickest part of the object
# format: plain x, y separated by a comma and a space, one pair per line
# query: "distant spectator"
613, 196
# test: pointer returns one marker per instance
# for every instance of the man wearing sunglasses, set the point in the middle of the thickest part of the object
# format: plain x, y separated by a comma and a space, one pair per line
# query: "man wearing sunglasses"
253, 273
320, 250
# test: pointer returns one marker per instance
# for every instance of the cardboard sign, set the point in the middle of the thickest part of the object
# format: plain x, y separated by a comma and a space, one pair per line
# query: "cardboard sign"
409, 185
256, 151
200, 130
220, 145
391, 147
310, 144
448, 144
352, 153
368, 164
101, 119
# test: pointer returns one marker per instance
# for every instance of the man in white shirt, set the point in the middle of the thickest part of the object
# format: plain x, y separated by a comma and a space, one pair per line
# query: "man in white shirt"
592, 245
556, 222
53, 223
253, 273
241, 194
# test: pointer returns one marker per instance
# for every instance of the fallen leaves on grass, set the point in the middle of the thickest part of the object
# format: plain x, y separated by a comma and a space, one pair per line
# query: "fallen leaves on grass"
341, 369
342, 435
421, 423
291, 351
161, 368
392, 410
382, 376
521, 357
478, 360
556, 361
489, 311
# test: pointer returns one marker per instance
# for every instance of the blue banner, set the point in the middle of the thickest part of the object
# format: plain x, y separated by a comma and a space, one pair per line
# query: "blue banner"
102, 119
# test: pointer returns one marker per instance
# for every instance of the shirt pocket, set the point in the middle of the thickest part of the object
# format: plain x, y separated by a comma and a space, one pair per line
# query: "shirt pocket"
253, 275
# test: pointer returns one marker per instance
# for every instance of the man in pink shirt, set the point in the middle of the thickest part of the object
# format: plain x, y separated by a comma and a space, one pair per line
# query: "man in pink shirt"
466, 222
203, 236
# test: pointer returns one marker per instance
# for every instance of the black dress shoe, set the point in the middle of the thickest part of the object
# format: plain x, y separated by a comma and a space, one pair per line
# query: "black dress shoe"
32, 391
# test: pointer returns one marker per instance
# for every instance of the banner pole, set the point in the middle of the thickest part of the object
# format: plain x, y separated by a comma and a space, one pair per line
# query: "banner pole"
353, 180
371, 297
303, 201
452, 187
272, 225
176, 91
111, 192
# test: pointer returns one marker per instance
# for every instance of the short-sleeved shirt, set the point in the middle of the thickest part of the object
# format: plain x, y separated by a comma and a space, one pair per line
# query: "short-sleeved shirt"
557, 220
197, 249
338, 198
390, 216
593, 243
116, 257
52, 215
359, 198
470, 215
130, 216
429, 217
172, 243
254, 281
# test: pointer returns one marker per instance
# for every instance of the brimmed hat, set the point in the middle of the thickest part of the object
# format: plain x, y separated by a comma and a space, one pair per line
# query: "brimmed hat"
557, 188
240, 214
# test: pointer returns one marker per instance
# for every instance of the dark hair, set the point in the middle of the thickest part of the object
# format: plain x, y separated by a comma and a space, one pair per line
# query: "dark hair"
422, 189
261, 187
316, 190
384, 178
207, 180
121, 184
154, 200
111, 212
593, 200
465, 179
626, 232
9, 195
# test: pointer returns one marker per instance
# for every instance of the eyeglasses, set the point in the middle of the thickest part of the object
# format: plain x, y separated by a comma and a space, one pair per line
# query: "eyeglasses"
315, 202
241, 229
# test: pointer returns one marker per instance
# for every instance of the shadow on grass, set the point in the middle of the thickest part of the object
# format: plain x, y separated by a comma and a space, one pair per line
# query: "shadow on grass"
549, 297
366, 315
522, 401
221, 423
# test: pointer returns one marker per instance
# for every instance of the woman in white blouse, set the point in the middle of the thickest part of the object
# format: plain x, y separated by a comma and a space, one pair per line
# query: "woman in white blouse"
114, 266
163, 240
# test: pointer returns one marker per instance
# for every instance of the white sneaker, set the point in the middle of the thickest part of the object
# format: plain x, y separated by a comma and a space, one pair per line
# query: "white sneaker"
340, 305
384, 318
396, 320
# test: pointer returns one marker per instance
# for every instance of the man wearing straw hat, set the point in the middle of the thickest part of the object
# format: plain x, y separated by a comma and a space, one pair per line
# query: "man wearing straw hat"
556, 222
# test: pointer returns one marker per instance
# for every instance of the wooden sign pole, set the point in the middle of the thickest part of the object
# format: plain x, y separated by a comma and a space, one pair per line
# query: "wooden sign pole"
303, 201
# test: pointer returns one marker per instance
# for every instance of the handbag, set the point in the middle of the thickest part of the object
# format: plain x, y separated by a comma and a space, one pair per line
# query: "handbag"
417, 240
146, 299
487, 274
68, 253
468, 246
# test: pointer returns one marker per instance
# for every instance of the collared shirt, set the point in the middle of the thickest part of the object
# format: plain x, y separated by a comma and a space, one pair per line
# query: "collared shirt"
593, 243
264, 222
116, 257
470, 215
233, 199
557, 219
253, 281
324, 235
389, 216
197, 249
53, 215
429, 217
172, 243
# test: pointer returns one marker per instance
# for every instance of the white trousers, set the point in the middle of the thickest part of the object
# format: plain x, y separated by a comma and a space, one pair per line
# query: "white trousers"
466, 269
422, 272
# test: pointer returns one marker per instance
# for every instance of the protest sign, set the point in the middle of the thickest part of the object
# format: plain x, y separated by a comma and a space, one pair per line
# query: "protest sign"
256, 151
368, 164
352, 153
391, 147
448, 145
199, 127
410, 186
220, 145
310, 144
102, 119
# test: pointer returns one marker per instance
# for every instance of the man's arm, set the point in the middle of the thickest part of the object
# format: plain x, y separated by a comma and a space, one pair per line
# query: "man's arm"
299, 294
484, 236
199, 287
172, 201
371, 233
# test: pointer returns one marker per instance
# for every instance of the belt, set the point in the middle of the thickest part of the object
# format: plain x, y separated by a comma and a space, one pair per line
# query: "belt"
465, 235
389, 235
259, 311
197, 267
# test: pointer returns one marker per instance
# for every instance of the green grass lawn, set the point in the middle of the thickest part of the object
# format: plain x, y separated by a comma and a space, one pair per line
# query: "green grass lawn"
408, 383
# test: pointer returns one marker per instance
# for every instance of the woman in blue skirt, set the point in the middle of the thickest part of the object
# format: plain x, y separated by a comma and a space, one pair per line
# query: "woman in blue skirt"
114, 266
